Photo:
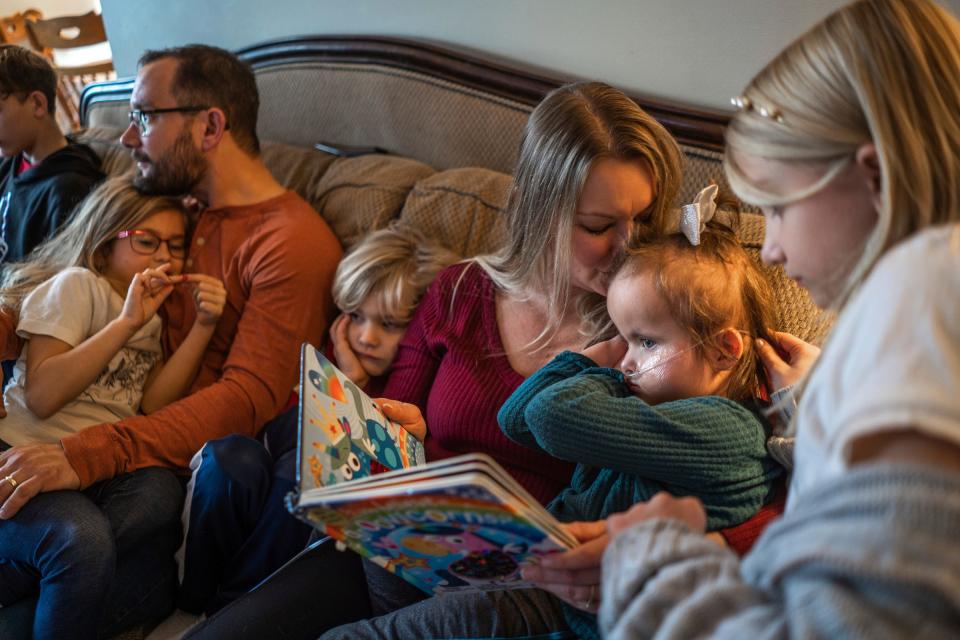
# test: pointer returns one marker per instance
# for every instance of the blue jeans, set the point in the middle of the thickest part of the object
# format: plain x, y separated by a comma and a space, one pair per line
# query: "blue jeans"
97, 561
238, 530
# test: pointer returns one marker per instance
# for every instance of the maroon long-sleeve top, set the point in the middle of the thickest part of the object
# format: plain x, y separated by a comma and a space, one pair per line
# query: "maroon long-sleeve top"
451, 363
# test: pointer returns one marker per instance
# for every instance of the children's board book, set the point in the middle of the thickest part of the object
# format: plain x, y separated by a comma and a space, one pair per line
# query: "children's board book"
457, 524
343, 434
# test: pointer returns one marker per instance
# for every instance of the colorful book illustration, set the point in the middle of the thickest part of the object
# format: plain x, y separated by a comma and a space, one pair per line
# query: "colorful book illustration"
343, 434
457, 524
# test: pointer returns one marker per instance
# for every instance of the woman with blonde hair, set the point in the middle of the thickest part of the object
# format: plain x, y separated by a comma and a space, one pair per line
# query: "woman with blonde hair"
592, 167
850, 142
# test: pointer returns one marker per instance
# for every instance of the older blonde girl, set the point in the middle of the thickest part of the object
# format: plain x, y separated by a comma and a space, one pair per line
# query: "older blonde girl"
850, 142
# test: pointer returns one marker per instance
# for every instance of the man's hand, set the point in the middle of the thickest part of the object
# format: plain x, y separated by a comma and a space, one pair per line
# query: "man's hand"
31, 469
574, 576
786, 370
406, 414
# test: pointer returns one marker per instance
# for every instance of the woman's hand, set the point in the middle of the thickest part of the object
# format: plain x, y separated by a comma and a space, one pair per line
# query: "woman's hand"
574, 575
786, 371
608, 353
347, 360
406, 414
147, 291
209, 295
662, 506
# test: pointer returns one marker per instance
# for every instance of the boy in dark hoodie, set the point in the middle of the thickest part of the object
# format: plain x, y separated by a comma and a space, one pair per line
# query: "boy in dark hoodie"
43, 174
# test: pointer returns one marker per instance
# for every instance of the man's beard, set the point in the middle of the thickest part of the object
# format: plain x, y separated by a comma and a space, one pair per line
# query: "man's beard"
176, 172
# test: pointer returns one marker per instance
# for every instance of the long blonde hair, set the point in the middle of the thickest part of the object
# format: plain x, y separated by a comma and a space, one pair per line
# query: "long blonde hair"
880, 71
573, 127
112, 207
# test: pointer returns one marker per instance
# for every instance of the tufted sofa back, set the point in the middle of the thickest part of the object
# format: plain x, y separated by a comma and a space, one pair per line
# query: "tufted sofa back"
451, 125
461, 208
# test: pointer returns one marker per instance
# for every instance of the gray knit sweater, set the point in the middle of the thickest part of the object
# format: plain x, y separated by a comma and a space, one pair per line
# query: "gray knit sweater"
871, 556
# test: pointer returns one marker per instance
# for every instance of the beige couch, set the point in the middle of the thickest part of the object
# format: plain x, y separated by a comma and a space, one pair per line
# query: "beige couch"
452, 125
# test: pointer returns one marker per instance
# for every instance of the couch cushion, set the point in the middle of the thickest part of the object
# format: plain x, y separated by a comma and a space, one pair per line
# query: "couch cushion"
357, 195
297, 168
105, 141
462, 209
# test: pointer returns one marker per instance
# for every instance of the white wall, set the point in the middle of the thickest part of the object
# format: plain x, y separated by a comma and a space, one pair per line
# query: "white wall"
50, 8
699, 52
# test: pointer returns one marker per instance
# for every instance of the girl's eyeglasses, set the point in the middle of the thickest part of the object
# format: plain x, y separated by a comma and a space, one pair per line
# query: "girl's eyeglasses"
147, 242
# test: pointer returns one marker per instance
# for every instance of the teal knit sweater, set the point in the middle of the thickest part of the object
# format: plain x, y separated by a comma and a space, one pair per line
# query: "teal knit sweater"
627, 450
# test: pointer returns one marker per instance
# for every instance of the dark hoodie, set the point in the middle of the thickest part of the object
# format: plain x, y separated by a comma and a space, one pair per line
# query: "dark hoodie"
43, 197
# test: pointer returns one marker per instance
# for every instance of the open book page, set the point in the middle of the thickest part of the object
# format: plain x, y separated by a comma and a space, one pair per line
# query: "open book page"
460, 531
343, 434
455, 524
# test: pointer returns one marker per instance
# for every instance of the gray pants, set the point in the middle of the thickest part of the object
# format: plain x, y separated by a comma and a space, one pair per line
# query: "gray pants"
520, 613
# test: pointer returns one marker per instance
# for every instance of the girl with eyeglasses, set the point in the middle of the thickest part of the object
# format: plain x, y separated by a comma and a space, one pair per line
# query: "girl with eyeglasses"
87, 304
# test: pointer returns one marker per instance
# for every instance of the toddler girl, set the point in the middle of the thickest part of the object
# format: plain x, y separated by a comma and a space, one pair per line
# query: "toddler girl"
680, 413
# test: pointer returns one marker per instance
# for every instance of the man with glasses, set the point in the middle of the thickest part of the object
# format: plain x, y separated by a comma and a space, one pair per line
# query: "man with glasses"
193, 132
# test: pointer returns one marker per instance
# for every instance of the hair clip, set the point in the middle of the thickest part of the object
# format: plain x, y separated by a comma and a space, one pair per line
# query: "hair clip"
695, 216
743, 103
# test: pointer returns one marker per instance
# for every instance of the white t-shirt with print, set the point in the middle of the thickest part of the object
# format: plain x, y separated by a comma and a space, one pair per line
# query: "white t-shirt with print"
892, 360
73, 306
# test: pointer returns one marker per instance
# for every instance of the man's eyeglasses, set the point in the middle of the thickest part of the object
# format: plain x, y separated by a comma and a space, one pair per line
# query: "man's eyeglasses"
144, 119
147, 243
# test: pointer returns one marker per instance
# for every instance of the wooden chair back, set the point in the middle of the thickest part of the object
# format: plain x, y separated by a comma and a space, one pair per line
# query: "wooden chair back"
70, 32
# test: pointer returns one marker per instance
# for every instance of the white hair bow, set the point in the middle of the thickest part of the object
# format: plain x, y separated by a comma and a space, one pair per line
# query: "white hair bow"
694, 216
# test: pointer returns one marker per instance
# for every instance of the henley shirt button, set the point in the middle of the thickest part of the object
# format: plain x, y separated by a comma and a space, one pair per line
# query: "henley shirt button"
200, 242
189, 262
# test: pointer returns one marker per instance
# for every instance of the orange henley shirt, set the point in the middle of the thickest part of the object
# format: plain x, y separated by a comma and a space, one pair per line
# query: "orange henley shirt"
277, 259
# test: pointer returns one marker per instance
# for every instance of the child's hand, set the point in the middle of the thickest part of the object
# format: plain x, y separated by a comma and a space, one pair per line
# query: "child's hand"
608, 353
800, 356
209, 295
407, 415
147, 291
347, 360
